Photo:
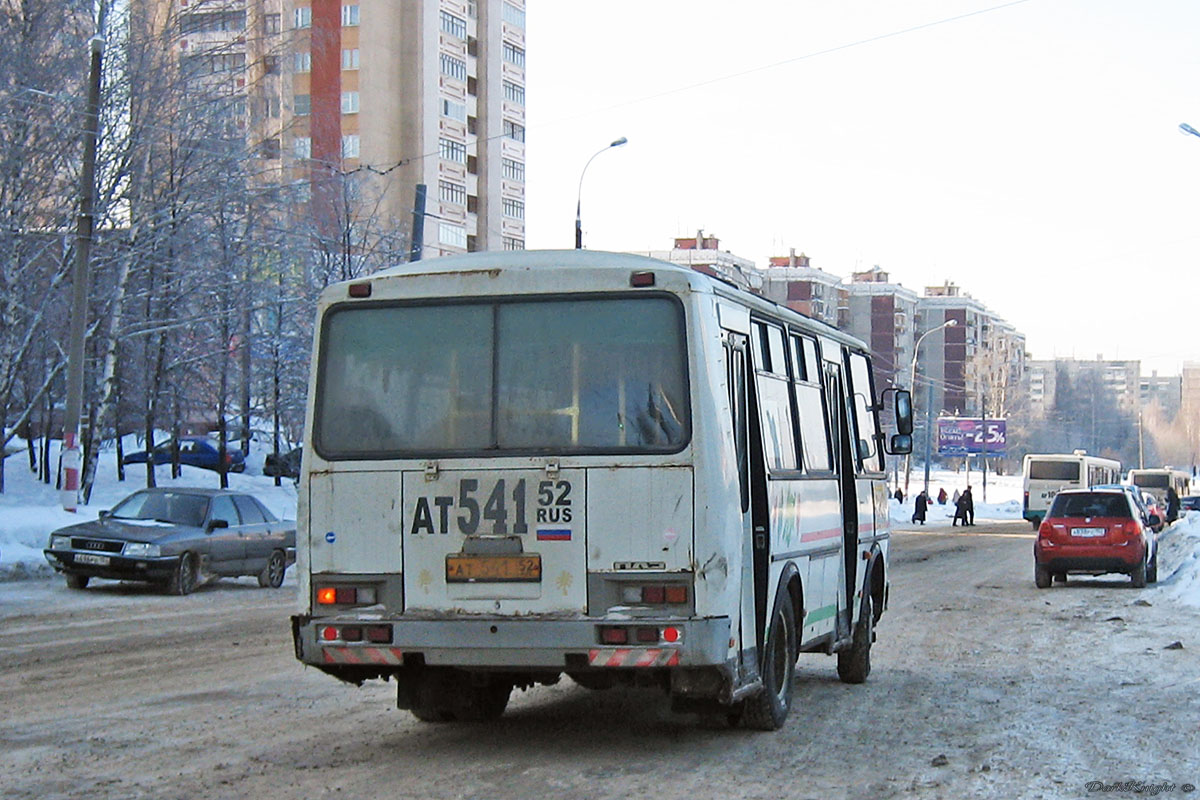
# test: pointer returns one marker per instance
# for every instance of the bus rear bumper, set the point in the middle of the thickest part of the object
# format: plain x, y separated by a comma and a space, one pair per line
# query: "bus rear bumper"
507, 643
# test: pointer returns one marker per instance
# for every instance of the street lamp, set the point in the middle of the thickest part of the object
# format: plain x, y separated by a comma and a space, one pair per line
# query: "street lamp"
579, 195
912, 385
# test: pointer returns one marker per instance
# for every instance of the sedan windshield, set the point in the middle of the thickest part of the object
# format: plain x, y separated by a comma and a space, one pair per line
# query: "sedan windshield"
581, 375
173, 507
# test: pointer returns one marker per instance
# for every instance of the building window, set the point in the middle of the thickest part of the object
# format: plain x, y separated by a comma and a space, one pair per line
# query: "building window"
302, 61
472, 165
472, 125
455, 26
350, 145
302, 104
350, 59
270, 65
513, 170
302, 17
514, 92
212, 22
513, 243
472, 204
349, 102
453, 235
514, 55
514, 130
452, 193
514, 15
452, 151
349, 16
514, 208
270, 106
454, 67
454, 110
302, 147
270, 24
473, 9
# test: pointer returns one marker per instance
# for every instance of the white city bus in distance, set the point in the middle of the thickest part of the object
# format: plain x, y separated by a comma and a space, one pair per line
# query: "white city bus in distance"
1045, 474
1156, 481
523, 464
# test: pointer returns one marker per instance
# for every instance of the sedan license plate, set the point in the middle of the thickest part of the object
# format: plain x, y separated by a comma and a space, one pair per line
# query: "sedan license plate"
523, 568
89, 558
1087, 532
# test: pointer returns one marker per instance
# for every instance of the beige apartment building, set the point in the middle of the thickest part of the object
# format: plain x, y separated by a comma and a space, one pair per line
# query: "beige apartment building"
419, 92
359, 103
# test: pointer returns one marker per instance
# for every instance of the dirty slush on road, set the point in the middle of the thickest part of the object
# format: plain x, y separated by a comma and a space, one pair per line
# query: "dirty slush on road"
982, 686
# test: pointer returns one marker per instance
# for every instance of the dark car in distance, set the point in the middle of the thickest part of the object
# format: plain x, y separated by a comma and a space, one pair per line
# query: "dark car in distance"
176, 537
283, 465
1190, 503
194, 451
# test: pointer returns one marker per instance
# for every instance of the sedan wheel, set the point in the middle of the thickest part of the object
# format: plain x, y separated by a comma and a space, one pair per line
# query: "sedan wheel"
272, 573
184, 580
77, 581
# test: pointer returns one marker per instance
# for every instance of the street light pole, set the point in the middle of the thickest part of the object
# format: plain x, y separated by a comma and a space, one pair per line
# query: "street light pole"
84, 229
579, 194
912, 380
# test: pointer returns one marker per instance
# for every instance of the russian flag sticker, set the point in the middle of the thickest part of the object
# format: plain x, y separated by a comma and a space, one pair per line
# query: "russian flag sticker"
554, 534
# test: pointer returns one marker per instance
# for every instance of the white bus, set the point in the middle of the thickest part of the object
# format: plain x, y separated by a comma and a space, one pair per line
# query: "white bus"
1045, 474
524, 464
1156, 481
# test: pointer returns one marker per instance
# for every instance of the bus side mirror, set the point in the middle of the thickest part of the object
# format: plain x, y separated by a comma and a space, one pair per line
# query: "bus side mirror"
904, 414
901, 444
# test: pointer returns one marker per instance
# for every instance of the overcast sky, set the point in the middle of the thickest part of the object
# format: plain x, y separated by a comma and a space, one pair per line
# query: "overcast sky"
1030, 153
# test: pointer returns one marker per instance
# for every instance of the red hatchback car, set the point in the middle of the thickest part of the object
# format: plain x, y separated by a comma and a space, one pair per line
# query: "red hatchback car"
1095, 531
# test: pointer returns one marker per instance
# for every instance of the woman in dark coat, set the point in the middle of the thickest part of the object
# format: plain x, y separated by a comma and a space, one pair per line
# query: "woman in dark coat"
919, 506
1172, 504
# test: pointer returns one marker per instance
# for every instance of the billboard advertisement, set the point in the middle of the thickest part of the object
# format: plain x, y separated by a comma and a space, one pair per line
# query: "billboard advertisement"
957, 436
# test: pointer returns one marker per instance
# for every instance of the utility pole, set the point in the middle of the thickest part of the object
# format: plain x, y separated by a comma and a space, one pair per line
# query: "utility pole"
418, 224
84, 229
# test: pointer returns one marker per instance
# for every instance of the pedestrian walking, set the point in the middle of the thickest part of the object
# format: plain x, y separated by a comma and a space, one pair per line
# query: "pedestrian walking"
899, 495
1172, 504
960, 509
942, 496
970, 505
919, 507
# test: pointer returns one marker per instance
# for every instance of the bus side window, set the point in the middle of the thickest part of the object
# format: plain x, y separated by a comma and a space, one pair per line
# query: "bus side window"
864, 424
813, 428
735, 361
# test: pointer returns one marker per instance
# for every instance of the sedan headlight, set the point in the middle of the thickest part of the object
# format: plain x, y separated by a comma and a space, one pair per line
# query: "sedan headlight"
60, 542
141, 550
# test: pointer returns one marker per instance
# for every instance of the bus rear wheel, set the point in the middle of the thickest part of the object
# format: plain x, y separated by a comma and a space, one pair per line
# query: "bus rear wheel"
767, 710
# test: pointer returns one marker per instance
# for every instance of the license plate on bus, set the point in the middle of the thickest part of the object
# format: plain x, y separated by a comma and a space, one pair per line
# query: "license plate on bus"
1087, 532
88, 558
522, 568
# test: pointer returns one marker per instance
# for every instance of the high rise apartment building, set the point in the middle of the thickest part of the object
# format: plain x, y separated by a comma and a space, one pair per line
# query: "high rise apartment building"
882, 314
359, 103
428, 92
792, 281
980, 359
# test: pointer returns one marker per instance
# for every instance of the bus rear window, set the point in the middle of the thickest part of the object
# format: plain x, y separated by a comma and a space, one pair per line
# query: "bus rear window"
1054, 470
1151, 481
560, 376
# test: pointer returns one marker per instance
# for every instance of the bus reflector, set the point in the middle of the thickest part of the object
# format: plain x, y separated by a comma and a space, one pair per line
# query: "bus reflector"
352, 633
379, 634
672, 634
647, 634
329, 633
654, 594
676, 594
360, 289
641, 279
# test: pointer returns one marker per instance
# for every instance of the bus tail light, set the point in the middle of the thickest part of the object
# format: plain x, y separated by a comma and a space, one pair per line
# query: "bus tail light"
656, 594
346, 596
612, 635
375, 634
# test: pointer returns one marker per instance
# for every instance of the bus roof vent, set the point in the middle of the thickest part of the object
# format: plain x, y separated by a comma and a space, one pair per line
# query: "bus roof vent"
1079, 452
